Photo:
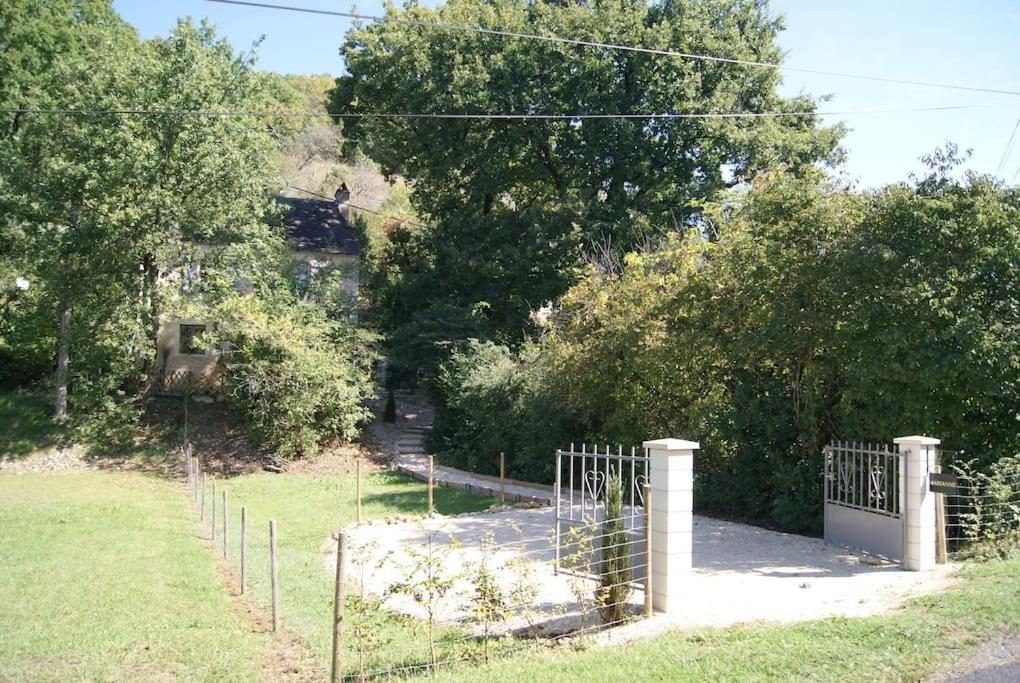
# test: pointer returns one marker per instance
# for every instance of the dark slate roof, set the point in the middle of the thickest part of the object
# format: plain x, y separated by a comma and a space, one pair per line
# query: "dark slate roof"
316, 225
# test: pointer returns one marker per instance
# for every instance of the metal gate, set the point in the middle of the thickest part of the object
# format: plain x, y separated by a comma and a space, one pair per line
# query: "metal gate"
582, 482
863, 497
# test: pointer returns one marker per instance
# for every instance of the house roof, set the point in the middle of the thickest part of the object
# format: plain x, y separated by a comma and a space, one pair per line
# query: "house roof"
316, 225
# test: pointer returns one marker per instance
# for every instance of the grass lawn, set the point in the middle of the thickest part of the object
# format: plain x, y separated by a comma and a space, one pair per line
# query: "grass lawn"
103, 576
25, 424
307, 509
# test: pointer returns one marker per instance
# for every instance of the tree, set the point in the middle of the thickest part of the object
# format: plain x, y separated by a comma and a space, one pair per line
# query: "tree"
121, 201
513, 204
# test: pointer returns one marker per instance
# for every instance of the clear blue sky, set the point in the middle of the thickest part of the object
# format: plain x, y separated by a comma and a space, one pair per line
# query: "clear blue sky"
969, 43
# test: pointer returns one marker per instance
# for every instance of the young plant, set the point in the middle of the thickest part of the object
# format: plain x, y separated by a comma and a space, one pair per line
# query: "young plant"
578, 562
429, 582
614, 564
488, 600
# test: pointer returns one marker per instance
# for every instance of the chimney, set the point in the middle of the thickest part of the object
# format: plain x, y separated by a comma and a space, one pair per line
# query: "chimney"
342, 199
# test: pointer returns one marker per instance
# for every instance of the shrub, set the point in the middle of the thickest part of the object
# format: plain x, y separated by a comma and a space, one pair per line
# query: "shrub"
390, 411
296, 377
614, 563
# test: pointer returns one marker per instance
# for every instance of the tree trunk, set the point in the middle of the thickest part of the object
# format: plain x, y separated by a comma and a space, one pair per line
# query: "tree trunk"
63, 354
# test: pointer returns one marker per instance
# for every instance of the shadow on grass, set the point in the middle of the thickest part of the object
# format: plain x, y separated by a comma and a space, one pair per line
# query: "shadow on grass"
26, 426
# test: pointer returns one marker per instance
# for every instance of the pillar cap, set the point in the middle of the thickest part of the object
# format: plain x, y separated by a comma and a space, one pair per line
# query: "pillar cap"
923, 440
672, 445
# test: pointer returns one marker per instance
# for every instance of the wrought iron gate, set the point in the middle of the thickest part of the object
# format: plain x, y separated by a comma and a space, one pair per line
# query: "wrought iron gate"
863, 497
582, 481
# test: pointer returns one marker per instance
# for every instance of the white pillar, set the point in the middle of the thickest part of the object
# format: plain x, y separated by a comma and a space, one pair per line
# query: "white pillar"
672, 516
917, 457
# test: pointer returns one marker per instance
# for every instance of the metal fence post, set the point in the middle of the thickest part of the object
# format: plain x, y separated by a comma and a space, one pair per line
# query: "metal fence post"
226, 528
646, 493
431, 468
212, 517
338, 607
502, 475
274, 579
357, 487
244, 544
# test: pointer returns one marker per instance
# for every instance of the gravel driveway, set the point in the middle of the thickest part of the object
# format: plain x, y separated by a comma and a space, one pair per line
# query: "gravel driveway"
741, 573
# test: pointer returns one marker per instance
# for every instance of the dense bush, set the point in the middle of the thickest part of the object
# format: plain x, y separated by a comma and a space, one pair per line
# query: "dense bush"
813, 313
296, 377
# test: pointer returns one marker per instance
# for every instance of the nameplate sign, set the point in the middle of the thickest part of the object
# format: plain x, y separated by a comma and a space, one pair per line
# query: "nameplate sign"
939, 482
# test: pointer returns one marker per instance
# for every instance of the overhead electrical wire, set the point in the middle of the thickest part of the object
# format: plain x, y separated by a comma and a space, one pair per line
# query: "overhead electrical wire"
1008, 149
479, 115
613, 46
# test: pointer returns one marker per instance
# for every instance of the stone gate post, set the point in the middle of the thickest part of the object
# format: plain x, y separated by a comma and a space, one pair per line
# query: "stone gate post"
917, 458
671, 479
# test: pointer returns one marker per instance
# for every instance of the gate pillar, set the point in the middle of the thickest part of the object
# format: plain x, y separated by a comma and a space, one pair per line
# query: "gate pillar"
917, 460
671, 479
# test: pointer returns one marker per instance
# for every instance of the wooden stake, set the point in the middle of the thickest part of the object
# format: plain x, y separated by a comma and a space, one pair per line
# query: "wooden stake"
213, 516
647, 494
201, 496
502, 474
357, 487
338, 607
244, 544
431, 466
941, 554
274, 579
226, 528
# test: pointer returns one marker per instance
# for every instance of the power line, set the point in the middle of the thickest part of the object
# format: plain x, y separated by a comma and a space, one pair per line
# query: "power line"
613, 46
493, 116
1008, 150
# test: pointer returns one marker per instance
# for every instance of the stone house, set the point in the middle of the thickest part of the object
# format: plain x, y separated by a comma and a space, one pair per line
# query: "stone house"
320, 236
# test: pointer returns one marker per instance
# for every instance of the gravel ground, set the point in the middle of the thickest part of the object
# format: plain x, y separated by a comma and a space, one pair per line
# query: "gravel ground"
70, 459
741, 573
997, 661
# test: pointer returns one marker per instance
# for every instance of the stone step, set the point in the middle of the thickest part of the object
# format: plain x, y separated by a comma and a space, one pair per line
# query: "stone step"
413, 451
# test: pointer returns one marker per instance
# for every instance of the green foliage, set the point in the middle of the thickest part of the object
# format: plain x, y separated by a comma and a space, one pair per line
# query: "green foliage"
297, 377
161, 188
390, 412
614, 561
812, 313
512, 205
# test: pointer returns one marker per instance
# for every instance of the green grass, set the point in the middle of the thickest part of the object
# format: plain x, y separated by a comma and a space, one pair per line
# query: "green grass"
906, 645
103, 576
307, 509
25, 425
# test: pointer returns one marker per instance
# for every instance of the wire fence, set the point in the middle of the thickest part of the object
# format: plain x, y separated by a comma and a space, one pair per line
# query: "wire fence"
481, 598
407, 606
983, 516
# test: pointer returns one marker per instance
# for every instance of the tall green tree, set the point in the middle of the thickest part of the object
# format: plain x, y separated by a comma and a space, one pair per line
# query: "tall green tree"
513, 205
110, 205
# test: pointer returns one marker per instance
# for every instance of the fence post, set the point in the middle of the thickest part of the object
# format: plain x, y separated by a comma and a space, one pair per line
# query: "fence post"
431, 468
338, 606
671, 473
917, 454
646, 495
226, 528
212, 516
502, 476
941, 552
201, 495
357, 487
274, 579
244, 544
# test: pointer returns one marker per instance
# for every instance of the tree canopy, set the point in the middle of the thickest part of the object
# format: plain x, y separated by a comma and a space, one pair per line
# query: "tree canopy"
512, 205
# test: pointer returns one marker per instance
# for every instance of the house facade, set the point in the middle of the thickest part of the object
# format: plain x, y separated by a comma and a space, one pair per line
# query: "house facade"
320, 237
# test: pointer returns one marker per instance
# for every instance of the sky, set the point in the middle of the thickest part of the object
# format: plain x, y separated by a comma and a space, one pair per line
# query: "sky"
973, 43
